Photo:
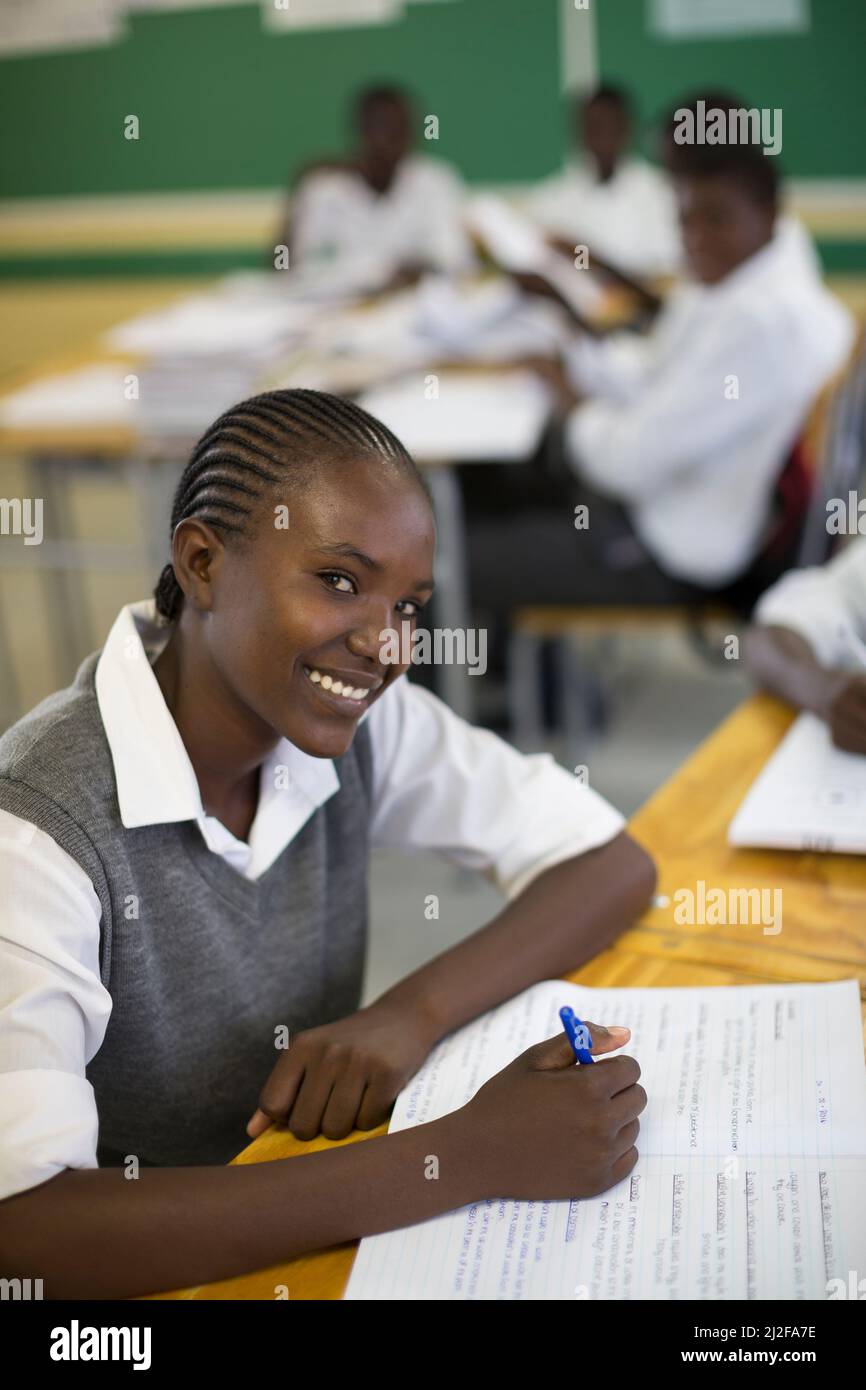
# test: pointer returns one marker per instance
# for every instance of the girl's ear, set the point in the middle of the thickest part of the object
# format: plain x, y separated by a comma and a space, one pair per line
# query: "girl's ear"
197, 554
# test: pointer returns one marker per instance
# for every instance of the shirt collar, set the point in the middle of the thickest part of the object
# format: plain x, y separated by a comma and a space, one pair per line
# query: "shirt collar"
156, 783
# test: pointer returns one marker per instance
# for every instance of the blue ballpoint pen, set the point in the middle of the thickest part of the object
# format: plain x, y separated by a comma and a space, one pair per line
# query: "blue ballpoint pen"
578, 1035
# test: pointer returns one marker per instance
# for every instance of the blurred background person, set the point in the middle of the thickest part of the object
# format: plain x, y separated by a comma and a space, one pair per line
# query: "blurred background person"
384, 211
678, 439
609, 198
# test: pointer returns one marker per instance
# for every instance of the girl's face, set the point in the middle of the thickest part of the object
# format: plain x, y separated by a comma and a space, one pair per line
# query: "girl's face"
296, 616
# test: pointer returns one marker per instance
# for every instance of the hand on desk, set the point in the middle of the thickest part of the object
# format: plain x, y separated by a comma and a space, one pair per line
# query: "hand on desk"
345, 1075
846, 711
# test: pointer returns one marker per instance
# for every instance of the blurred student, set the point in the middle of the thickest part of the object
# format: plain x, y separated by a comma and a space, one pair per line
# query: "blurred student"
609, 199
385, 211
789, 232
678, 439
184, 844
808, 643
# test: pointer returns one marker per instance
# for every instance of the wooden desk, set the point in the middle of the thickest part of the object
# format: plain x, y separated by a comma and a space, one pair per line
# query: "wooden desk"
684, 826
323, 1275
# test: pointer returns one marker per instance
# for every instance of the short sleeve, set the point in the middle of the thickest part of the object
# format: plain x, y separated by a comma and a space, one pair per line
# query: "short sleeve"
441, 784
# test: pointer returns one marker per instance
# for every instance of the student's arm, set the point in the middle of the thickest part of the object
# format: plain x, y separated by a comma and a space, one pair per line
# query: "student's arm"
540, 1129
555, 848
562, 919
96, 1233
627, 448
800, 645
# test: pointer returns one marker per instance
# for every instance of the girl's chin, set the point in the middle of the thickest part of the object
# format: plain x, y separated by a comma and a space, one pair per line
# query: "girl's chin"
317, 742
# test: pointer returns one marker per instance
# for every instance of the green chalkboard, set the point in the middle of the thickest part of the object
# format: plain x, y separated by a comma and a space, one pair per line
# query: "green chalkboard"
222, 103
815, 78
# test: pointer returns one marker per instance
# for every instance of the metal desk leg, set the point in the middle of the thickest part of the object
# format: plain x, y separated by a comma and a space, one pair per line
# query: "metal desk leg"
451, 602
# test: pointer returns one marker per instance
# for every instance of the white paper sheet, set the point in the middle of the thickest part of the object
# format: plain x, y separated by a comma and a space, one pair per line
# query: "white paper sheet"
753, 1156
476, 415
808, 796
517, 244
89, 396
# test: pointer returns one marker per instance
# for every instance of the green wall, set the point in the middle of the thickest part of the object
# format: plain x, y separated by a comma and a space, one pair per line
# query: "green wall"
224, 104
816, 78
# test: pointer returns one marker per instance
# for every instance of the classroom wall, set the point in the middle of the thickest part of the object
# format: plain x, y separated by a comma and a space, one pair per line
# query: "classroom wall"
816, 78
224, 104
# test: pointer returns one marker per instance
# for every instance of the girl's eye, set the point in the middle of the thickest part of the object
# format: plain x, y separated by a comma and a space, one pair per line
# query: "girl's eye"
414, 609
343, 584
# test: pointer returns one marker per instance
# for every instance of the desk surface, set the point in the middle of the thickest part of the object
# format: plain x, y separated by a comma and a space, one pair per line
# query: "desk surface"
684, 826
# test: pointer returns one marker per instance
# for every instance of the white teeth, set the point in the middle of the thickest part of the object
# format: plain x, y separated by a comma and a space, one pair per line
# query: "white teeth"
337, 687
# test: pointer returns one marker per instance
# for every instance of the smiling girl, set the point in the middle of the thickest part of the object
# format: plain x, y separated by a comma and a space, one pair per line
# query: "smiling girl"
184, 840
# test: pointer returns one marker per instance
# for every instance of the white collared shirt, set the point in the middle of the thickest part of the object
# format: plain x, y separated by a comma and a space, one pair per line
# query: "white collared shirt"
438, 783
825, 605
338, 217
691, 426
629, 220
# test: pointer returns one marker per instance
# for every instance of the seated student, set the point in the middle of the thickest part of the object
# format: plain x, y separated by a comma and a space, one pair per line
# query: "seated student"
808, 643
789, 232
385, 212
610, 200
677, 439
184, 840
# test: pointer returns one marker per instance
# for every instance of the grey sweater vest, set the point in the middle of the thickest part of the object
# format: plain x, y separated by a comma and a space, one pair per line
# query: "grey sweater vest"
202, 964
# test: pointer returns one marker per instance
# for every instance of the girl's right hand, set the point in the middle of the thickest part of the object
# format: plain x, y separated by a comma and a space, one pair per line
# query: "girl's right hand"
545, 1128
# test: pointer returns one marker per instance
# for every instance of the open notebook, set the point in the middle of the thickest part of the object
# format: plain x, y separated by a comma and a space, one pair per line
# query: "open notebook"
808, 796
752, 1176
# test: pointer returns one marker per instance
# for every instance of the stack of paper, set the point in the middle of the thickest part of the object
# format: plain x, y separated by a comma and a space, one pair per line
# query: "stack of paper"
809, 796
752, 1176
464, 415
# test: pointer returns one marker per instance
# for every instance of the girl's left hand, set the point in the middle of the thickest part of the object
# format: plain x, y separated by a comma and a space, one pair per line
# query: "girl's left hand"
344, 1075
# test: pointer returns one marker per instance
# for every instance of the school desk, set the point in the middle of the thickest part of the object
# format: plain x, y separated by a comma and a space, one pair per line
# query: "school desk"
323, 1274
683, 825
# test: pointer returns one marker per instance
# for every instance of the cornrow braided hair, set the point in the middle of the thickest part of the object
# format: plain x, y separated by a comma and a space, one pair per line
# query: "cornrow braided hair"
249, 450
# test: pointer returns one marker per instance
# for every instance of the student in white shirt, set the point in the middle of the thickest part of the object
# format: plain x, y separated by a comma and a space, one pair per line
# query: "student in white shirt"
614, 202
808, 643
788, 232
211, 721
386, 213
677, 439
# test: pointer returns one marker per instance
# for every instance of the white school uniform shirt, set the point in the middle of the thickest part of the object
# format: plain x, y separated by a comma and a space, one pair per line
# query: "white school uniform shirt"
825, 605
338, 218
690, 426
630, 220
438, 783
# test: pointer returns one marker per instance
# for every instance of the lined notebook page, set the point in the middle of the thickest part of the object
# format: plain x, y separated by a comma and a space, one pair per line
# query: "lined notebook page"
752, 1176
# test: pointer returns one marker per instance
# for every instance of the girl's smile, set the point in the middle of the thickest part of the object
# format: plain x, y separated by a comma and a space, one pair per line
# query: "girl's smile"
347, 693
